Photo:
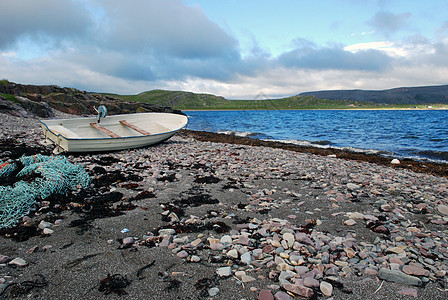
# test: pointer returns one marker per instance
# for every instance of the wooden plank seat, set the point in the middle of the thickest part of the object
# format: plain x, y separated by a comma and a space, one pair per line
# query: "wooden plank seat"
136, 128
105, 130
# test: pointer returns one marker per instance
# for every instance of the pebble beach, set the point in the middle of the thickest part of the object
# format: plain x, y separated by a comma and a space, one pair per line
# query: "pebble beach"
208, 220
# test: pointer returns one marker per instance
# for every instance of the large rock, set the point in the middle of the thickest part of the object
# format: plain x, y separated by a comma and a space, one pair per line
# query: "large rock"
40, 109
399, 277
9, 107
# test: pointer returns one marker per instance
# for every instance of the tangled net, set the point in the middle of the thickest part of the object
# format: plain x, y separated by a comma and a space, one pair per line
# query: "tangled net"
51, 175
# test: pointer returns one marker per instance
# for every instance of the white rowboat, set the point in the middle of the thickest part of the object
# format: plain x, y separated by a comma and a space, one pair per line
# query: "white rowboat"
115, 132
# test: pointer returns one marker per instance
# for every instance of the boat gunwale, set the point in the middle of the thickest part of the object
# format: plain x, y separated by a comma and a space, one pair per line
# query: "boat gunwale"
112, 138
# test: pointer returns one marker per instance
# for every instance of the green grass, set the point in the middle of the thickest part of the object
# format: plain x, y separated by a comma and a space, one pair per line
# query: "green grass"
9, 97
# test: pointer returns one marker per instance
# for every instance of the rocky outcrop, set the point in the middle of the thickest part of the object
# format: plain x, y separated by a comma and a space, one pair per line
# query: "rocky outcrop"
39, 109
40, 100
9, 107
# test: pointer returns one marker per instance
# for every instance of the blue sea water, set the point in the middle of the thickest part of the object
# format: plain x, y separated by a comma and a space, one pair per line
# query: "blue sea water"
417, 134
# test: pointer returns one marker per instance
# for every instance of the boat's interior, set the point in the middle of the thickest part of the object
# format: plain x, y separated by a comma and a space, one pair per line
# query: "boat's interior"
117, 125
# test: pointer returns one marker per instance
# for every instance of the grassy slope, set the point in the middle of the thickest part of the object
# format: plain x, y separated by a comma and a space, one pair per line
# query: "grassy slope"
186, 100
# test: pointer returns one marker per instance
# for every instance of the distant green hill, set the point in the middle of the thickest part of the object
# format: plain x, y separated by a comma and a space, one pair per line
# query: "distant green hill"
180, 99
402, 95
187, 100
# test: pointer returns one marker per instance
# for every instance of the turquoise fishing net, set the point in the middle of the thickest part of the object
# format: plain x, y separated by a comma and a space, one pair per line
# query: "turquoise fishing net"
55, 175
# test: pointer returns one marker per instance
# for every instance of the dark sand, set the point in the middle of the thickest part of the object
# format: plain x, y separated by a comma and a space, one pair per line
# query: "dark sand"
221, 185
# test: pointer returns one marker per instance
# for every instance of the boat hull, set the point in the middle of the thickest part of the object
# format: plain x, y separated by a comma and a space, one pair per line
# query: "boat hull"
81, 134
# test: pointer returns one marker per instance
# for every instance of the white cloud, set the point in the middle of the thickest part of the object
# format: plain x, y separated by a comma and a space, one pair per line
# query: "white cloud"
396, 49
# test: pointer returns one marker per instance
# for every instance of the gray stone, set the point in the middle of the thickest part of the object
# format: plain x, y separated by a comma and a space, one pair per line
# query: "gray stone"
310, 282
326, 288
44, 224
224, 271
182, 254
233, 253
166, 241
443, 209
213, 291
352, 186
195, 258
246, 278
18, 262
284, 276
167, 231
301, 269
246, 258
48, 231
4, 259
399, 277
128, 241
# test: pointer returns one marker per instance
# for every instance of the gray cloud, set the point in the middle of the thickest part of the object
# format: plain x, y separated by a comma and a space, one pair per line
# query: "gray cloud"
388, 23
311, 57
165, 27
44, 18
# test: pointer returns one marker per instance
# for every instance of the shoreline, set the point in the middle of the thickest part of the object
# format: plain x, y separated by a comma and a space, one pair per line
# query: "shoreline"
434, 168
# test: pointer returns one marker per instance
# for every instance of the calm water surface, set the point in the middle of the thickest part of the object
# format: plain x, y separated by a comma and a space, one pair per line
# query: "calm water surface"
419, 134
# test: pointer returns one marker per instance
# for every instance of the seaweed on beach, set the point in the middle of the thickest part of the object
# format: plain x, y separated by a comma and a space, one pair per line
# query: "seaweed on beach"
13, 290
167, 178
114, 284
140, 271
195, 197
204, 284
14, 147
207, 179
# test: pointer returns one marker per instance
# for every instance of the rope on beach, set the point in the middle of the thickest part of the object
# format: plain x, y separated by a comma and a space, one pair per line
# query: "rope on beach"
49, 175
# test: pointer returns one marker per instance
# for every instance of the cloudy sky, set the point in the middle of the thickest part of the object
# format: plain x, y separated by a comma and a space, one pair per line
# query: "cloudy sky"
232, 48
